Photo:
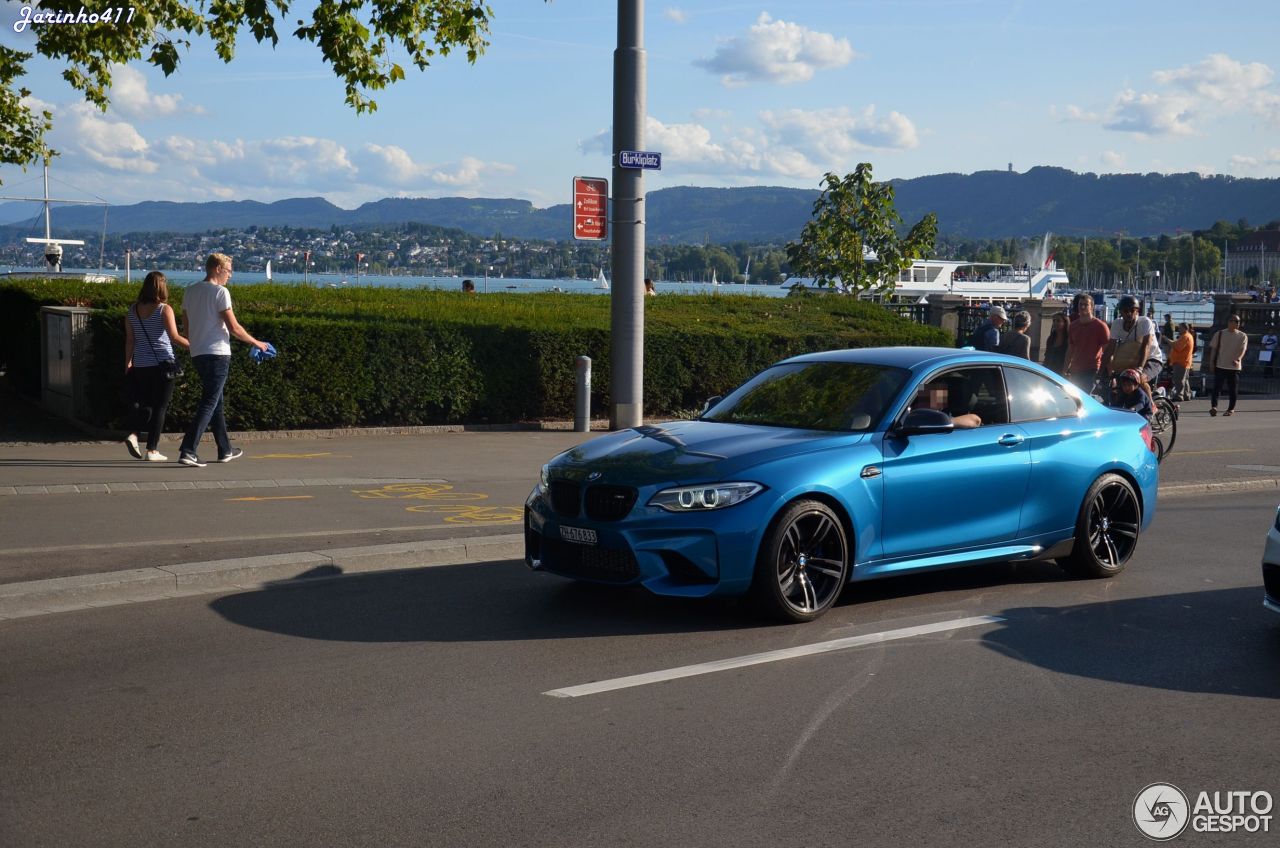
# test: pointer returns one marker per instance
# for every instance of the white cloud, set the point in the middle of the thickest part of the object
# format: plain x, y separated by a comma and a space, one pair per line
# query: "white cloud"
107, 142
1229, 84
778, 52
1150, 114
1111, 159
1266, 163
1214, 86
131, 97
793, 144
394, 167
836, 134
260, 167
1074, 113
674, 14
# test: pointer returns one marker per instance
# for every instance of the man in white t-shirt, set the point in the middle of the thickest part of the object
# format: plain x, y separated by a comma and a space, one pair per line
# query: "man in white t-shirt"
1130, 326
210, 323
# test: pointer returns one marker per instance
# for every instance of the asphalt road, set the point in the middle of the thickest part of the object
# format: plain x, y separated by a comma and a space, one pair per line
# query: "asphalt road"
289, 495
412, 709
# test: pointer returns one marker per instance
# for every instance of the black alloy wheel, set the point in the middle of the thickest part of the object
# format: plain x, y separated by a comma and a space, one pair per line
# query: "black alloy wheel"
1106, 530
803, 564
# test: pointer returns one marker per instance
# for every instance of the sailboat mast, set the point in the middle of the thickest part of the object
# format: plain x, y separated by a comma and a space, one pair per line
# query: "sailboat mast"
48, 233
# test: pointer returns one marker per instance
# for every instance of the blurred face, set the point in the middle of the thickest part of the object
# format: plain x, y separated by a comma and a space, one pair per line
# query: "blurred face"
1129, 314
1233, 323
1127, 386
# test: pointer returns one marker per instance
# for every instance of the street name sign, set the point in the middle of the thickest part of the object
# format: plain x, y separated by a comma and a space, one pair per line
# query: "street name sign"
645, 159
590, 208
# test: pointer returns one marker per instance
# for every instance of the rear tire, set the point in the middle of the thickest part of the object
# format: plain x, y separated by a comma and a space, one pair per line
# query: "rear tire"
803, 564
1106, 529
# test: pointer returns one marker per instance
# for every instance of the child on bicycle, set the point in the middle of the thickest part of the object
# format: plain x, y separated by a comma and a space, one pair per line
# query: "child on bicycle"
1133, 394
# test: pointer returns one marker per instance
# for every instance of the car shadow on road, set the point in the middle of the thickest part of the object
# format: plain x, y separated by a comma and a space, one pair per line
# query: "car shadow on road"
1219, 641
466, 603
504, 601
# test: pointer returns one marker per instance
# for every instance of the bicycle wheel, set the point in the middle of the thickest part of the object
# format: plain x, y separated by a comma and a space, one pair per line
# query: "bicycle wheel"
1164, 423
1157, 447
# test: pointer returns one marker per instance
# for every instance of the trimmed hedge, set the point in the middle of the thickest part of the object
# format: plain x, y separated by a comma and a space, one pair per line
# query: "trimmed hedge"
374, 357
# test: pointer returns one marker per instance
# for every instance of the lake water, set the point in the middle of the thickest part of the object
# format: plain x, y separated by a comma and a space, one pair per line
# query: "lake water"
1200, 314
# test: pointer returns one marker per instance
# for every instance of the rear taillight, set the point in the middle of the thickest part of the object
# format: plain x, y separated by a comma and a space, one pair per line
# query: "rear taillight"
1148, 437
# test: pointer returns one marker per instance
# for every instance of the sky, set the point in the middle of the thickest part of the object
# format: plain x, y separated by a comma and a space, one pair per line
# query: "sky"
767, 93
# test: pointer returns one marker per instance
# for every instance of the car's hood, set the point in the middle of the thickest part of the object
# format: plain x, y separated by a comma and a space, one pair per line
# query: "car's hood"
690, 450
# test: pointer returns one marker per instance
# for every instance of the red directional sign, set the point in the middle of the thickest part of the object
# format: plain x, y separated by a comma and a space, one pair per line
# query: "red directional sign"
590, 208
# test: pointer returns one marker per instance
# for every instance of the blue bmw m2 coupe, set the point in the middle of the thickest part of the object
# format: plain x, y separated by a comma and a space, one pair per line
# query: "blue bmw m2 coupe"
849, 465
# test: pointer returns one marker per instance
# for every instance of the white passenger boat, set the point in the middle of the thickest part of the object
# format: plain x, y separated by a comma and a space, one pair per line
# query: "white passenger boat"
988, 281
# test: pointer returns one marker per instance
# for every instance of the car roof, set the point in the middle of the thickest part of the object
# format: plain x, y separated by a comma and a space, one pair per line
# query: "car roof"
912, 358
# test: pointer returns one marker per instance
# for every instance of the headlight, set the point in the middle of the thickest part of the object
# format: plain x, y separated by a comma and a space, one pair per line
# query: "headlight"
708, 496
544, 478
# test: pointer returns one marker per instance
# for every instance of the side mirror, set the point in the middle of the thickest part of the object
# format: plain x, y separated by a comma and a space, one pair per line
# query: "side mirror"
920, 422
710, 404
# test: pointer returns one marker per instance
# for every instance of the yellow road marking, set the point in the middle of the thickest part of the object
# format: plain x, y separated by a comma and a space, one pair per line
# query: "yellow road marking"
274, 498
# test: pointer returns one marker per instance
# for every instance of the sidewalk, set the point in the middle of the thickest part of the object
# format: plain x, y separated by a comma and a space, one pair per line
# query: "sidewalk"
304, 522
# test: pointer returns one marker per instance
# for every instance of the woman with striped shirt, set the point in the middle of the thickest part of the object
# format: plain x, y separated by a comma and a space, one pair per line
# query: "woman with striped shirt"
150, 331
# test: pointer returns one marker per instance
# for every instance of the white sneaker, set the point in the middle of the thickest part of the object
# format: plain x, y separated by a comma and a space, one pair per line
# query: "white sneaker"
132, 444
156, 456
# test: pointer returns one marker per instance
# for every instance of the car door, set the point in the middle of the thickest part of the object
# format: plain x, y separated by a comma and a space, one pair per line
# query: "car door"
960, 489
1064, 452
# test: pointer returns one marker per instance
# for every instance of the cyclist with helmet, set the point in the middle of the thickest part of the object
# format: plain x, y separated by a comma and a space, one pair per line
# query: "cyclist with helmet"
1131, 326
1132, 394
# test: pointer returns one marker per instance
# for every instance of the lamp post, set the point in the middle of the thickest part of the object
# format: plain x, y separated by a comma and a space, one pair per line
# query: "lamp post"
626, 300
487, 271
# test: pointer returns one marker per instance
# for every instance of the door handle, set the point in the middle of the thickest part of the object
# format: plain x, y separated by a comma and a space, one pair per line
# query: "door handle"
1009, 440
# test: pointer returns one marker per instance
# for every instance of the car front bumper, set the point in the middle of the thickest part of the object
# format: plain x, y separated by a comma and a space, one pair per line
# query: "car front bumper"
688, 555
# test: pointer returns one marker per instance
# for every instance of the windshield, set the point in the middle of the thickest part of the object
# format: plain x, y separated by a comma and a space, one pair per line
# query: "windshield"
839, 396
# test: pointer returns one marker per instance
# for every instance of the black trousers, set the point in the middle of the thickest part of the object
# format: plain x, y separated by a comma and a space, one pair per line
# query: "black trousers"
150, 392
1232, 381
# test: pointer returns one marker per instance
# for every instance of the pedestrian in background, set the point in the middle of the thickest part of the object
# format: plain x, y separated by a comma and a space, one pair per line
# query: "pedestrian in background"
1180, 356
1226, 355
150, 332
1086, 339
649, 290
211, 322
469, 286
987, 336
1269, 344
1018, 343
1055, 348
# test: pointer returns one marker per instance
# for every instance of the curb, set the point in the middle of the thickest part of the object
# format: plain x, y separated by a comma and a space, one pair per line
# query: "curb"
1174, 490
64, 594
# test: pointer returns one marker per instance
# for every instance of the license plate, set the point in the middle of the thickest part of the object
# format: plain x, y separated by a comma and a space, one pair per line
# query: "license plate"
578, 535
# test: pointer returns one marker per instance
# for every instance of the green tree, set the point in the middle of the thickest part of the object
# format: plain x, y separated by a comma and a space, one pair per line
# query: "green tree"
855, 216
355, 37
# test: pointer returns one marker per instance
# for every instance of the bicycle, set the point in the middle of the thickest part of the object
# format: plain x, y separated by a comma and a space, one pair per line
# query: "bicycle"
1164, 418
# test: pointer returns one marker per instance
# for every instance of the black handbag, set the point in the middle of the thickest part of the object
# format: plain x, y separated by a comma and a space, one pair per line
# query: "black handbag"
169, 367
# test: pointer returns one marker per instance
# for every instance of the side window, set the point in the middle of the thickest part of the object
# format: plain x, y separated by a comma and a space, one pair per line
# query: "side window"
1036, 398
964, 391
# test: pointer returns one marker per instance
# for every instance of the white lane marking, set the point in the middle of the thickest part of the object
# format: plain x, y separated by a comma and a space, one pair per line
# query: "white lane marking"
768, 657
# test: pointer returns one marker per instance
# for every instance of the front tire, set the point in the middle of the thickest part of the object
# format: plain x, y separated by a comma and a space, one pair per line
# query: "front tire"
1106, 529
803, 564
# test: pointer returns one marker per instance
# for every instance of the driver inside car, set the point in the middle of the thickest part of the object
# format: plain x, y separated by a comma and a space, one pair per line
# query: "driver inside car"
935, 395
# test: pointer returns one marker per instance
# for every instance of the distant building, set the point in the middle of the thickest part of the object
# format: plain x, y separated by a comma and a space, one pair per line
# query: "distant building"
1259, 250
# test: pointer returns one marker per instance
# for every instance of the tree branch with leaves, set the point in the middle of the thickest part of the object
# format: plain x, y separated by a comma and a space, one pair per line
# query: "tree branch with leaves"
356, 37
852, 238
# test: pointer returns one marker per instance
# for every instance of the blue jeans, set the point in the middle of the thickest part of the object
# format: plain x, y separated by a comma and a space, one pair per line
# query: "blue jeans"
213, 370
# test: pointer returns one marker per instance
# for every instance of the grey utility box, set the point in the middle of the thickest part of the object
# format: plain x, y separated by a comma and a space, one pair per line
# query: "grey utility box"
64, 348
